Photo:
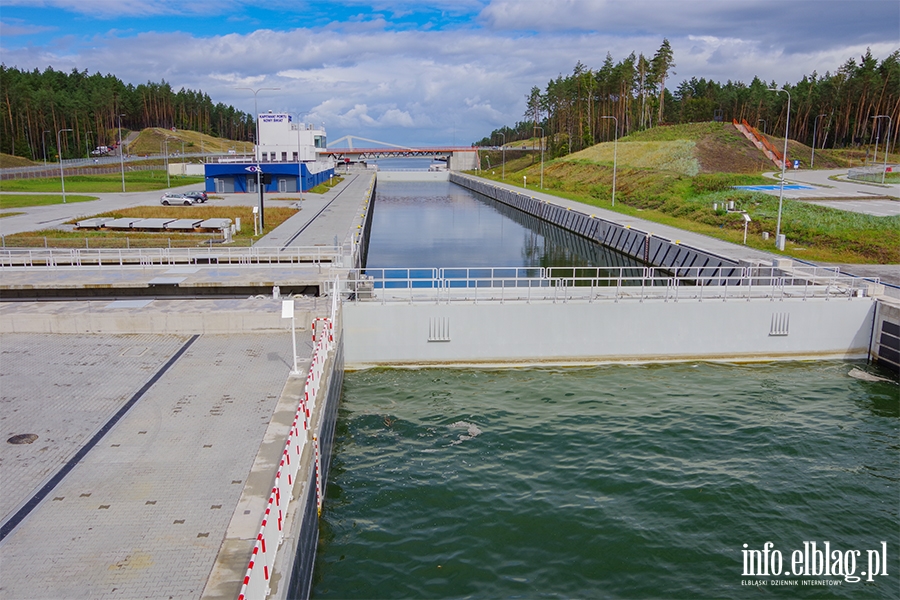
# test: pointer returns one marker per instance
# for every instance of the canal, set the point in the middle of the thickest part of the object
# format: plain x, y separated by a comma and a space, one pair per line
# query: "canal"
615, 481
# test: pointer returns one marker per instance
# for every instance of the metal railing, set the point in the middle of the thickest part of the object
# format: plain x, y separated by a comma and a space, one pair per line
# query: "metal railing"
149, 257
589, 284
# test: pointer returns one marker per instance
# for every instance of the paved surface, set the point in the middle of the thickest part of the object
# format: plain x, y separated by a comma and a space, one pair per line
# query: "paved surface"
832, 188
145, 512
328, 219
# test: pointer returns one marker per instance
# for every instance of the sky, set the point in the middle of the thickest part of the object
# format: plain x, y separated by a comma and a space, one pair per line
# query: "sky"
429, 73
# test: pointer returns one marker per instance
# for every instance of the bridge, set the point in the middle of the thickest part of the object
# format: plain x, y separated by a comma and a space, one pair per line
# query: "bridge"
459, 157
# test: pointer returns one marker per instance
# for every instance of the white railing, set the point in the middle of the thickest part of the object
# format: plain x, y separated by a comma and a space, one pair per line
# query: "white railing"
148, 257
271, 531
589, 284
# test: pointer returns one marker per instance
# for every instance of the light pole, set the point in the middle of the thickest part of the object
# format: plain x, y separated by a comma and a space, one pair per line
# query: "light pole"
764, 125
256, 152
44, 143
256, 113
122, 155
166, 142
812, 158
615, 156
503, 154
542, 154
62, 177
787, 124
887, 143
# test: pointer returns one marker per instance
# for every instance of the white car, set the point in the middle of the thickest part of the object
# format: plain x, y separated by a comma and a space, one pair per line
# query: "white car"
168, 199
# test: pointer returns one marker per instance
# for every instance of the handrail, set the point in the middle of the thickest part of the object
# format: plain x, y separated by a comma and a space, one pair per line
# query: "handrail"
144, 257
564, 284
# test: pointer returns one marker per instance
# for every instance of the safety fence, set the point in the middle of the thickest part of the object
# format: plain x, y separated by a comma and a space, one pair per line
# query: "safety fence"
150, 257
874, 174
589, 284
271, 531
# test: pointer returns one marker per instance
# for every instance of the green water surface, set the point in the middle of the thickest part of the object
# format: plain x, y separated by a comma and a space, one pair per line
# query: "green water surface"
607, 482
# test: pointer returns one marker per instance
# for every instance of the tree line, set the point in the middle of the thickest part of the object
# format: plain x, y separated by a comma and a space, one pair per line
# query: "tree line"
37, 105
582, 109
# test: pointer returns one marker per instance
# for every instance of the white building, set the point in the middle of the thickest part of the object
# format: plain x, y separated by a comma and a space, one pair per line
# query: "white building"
282, 140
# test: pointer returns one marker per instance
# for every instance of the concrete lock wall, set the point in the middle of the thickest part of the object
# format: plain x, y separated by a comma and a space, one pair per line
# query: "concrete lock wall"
653, 250
584, 333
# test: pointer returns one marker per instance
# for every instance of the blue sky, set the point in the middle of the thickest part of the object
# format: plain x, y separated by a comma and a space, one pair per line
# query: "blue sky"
429, 72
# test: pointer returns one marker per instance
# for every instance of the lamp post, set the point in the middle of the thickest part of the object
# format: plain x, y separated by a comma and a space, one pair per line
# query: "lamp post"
256, 152
122, 155
787, 124
887, 143
615, 155
166, 142
62, 177
542, 154
256, 113
503, 154
764, 125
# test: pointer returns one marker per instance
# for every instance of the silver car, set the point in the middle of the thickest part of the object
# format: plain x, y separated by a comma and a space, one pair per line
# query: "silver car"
171, 198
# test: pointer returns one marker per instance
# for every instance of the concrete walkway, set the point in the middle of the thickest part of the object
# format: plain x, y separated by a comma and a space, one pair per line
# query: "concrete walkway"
327, 219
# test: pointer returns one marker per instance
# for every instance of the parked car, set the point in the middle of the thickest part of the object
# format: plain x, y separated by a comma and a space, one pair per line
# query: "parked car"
199, 196
171, 198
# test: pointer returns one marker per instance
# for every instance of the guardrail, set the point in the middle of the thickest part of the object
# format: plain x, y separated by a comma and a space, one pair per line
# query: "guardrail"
589, 284
271, 531
150, 257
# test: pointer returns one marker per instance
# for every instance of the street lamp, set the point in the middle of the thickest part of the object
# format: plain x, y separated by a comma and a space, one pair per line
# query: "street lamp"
256, 113
256, 153
166, 142
62, 177
503, 154
542, 154
779, 243
887, 143
615, 156
815, 127
122, 155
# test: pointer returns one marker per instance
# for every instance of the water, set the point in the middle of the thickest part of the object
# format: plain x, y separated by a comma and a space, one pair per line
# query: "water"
613, 482
441, 224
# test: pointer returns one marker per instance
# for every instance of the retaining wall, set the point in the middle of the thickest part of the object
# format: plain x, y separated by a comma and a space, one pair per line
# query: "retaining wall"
643, 246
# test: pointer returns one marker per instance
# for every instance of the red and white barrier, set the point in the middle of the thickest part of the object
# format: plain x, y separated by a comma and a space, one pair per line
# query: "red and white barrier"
271, 530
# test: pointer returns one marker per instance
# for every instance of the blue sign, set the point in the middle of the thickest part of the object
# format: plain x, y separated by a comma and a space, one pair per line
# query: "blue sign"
796, 164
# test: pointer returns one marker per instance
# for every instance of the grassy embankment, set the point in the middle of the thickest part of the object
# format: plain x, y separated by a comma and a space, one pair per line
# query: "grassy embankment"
674, 175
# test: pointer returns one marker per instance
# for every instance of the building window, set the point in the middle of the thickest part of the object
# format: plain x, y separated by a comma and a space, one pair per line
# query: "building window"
296, 158
284, 157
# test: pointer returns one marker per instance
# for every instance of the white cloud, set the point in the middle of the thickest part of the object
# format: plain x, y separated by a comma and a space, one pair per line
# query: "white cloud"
411, 86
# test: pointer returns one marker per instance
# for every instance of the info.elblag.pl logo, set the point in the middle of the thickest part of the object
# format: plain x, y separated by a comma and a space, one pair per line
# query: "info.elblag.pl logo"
813, 560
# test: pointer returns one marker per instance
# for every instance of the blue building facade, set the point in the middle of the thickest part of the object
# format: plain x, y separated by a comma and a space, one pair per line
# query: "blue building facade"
229, 178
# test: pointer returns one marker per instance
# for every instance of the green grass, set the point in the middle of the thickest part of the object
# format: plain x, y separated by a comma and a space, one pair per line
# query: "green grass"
324, 187
135, 181
813, 232
23, 200
10, 214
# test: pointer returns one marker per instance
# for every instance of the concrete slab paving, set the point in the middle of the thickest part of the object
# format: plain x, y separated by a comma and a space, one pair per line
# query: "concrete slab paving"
144, 514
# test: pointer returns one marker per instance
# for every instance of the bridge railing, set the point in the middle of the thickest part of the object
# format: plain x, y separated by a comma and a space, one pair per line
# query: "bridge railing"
589, 284
42, 258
